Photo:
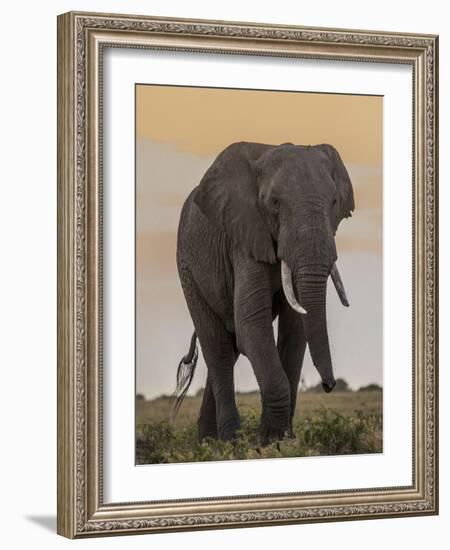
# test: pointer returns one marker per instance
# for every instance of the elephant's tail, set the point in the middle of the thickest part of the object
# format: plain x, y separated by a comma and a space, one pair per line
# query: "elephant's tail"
185, 372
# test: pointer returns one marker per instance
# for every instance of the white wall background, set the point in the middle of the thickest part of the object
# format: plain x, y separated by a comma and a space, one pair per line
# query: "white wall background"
28, 271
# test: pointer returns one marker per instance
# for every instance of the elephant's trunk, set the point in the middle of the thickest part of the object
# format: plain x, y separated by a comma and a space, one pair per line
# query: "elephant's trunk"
311, 286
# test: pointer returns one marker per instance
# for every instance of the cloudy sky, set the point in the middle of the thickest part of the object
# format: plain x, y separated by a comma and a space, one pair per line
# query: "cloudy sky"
179, 132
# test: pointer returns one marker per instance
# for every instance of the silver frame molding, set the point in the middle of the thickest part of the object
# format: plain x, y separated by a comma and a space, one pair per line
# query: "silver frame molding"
81, 39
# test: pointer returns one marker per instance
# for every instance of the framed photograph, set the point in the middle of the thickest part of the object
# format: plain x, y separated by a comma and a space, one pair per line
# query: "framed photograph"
247, 274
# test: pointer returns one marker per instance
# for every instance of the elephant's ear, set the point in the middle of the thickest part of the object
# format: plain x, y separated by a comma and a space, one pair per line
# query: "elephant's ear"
345, 198
227, 196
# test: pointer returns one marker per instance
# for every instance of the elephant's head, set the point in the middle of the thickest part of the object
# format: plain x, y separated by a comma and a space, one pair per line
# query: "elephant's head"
284, 203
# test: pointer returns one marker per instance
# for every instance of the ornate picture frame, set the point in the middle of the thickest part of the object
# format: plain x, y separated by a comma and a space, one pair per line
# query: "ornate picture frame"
82, 40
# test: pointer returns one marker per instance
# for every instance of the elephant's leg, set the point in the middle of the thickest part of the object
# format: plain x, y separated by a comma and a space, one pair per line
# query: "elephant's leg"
291, 346
220, 356
207, 425
253, 320
219, 351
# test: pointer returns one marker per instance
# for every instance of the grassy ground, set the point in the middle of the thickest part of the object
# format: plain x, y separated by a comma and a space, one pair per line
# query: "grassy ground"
324, 424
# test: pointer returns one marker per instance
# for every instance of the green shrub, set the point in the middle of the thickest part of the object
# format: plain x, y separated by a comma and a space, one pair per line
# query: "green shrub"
332, 433
324, 433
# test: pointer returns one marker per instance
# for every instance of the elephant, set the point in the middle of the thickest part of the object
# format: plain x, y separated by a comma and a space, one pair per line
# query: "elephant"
255, 242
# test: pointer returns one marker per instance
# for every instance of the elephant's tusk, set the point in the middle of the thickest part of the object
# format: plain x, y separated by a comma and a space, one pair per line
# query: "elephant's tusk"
339, 285
286, 279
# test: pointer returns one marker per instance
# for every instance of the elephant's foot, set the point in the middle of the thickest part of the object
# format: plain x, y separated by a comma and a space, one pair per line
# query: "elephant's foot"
206, 429
227, 429
270, 434
274, 427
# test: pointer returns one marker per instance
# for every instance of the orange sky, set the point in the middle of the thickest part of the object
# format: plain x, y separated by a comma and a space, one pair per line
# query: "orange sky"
203, 121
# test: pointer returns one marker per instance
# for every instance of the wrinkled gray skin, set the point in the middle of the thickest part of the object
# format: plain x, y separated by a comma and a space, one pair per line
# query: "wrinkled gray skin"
256, 205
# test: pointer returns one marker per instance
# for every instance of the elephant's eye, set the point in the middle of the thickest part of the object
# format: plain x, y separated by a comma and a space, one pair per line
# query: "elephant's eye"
334, 203
275, 203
